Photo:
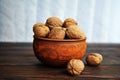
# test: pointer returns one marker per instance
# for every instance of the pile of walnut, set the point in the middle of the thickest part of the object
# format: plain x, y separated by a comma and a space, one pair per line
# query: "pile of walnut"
54, 28
76, 66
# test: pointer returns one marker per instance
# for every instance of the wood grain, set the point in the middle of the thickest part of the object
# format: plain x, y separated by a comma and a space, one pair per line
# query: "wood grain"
17, 62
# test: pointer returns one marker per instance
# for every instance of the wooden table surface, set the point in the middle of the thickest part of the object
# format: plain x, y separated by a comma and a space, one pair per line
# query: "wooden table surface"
17, 62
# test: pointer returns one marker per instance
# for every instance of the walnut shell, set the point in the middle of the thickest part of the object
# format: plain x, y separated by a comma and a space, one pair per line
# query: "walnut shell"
75, 66
36, 25
68, 22
74, 32
53, 22
57, 33
94, 59
40, 30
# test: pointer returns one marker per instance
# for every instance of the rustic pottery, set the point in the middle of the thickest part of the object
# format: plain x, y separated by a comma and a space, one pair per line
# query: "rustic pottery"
55, 52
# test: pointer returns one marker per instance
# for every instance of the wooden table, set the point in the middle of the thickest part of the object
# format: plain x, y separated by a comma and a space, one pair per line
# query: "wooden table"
17, 62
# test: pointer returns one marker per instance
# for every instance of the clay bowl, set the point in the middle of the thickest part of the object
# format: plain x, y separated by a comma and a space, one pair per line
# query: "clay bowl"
58, 52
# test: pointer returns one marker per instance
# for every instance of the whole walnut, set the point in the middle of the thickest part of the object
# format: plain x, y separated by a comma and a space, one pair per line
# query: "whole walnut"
75, 66
74, 32
94, 59
68, 22
40, 30
53, 22
37, 24
57, 33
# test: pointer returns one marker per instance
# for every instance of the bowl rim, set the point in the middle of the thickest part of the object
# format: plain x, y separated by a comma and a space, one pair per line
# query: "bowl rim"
62, 40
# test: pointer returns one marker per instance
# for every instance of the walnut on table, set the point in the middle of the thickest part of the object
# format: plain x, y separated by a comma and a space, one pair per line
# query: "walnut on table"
94, 59
75, 66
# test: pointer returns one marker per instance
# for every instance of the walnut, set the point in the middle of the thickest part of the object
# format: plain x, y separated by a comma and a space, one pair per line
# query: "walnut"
53, 22
68, 22
94, 59
40, 30
75, 66
57, 33
74, 32
36, 25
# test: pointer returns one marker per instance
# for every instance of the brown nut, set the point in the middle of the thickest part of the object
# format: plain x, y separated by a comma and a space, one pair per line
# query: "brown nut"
74, 32
36, 25
68, 22
94, 59
57, 33
75, 66
40, 30
53, 22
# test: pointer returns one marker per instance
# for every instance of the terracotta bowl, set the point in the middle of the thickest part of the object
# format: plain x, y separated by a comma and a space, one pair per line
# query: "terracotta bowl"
58, 52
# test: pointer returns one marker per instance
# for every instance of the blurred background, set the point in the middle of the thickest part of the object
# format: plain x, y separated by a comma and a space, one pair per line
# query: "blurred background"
99, 19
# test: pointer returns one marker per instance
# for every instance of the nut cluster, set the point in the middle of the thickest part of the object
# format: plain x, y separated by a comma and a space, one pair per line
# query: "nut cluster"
76, 66
54, 28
